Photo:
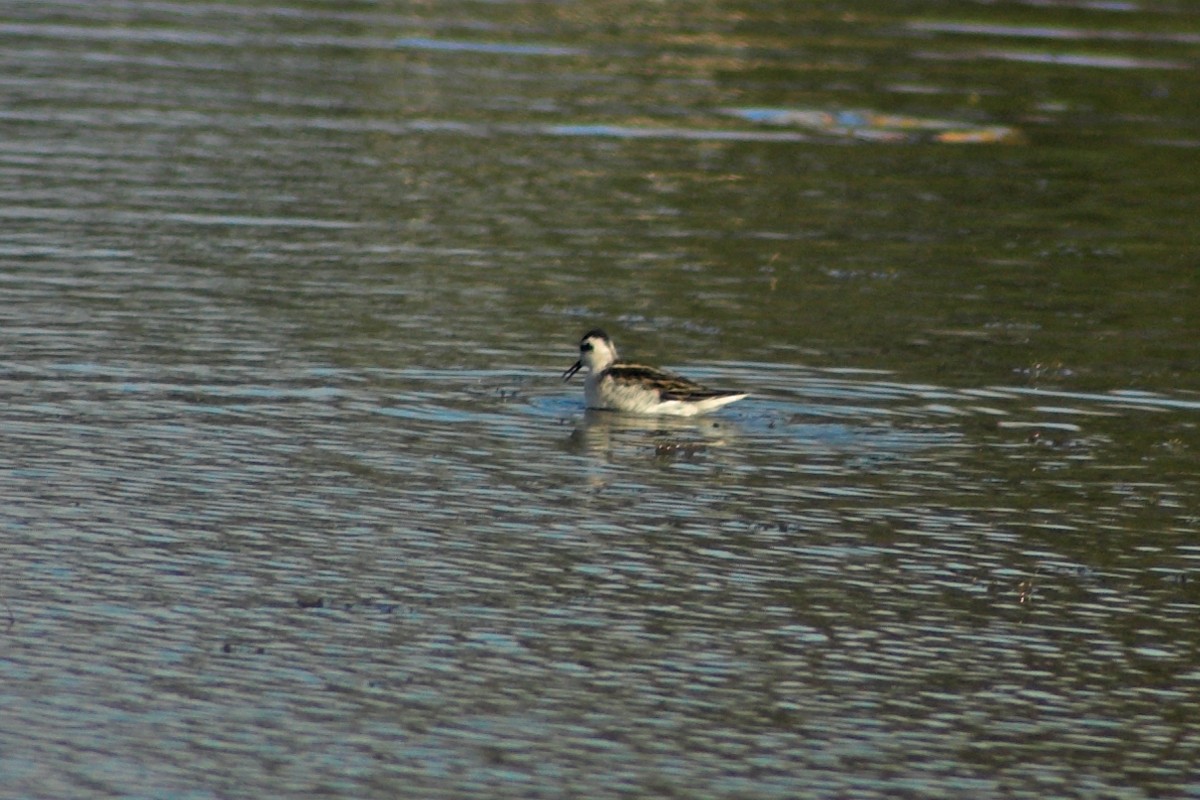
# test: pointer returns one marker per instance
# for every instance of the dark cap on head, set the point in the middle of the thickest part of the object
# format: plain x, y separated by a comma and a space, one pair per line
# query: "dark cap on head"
596, 333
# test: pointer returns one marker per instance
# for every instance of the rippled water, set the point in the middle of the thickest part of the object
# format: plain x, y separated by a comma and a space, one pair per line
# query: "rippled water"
296, 504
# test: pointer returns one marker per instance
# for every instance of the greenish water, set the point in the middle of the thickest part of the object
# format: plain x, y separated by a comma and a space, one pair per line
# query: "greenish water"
295, 503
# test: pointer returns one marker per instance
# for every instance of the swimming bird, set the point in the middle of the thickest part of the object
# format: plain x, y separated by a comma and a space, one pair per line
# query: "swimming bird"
617, 385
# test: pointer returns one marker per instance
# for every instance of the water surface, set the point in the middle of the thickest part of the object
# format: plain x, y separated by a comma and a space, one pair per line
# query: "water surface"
295, 502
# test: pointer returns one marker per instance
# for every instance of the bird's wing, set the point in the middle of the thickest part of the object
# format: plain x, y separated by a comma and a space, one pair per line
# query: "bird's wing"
669, 386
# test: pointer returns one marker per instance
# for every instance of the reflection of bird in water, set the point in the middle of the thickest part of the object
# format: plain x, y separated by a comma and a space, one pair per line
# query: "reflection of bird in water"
616, 385
606, 435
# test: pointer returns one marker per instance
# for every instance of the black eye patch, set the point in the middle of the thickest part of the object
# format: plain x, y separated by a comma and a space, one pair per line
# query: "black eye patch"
586, 347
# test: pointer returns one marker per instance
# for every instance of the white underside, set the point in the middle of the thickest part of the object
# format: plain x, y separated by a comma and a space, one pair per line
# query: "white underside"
607, 394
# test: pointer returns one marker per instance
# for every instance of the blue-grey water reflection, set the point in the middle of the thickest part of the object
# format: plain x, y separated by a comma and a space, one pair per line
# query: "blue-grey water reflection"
295, 503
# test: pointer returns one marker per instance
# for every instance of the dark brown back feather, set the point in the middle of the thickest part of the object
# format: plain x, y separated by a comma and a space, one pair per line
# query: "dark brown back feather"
669, 385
